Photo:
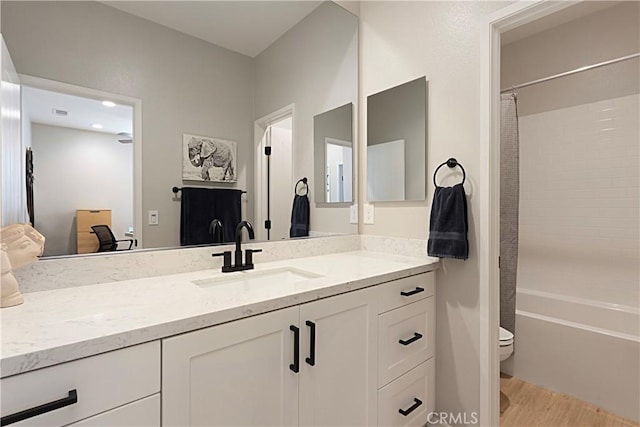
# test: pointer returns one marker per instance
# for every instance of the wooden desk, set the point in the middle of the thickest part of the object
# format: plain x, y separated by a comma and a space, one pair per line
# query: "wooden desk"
87, 242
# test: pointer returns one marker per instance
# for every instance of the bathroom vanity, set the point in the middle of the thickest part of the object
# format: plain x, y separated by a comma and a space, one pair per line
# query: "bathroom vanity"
339, 339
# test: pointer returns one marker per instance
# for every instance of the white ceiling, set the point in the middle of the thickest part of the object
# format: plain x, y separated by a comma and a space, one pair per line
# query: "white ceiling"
247, 27
565, 15
38, 105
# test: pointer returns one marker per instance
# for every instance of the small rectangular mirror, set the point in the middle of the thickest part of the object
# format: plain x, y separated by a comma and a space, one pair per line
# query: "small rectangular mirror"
333, 155
397, 143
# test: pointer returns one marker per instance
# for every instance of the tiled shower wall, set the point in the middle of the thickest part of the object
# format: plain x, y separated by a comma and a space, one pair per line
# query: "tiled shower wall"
579, 201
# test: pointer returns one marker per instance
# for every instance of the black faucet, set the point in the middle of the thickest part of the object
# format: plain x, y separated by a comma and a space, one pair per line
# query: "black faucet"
216, 231
239, 266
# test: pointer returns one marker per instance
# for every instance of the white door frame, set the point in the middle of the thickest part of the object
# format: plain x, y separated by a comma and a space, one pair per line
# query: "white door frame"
259, 128
136, 103
494, 24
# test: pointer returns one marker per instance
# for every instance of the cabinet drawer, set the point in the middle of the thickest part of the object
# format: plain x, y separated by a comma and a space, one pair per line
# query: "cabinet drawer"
102, 382
406, 339
413, 393
390, 295
141, 413
86, 218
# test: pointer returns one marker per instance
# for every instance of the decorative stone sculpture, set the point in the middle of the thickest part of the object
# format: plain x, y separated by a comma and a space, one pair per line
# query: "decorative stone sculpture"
21, 245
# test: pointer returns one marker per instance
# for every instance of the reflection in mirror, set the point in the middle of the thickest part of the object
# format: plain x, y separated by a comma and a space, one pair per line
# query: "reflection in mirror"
396, 143
211, 69
83, 169
333, 155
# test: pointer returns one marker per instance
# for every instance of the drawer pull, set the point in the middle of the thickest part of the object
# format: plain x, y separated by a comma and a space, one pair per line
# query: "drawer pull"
295, 366
416, 336
311, 360
416, 405
413, 292
39, 410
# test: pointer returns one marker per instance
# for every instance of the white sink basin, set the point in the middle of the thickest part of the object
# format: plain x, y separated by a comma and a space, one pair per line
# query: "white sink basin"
259, 278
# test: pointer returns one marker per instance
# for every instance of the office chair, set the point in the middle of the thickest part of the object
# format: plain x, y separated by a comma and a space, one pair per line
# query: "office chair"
108, 242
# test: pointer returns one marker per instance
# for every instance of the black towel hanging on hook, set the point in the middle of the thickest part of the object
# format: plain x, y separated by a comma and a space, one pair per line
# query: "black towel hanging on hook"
300, 211
452, 163
448, 225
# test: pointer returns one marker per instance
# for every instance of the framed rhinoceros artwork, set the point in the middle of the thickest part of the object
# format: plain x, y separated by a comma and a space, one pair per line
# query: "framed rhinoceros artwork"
208, 159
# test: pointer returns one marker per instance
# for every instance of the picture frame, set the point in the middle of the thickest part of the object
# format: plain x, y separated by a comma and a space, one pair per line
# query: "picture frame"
209, 159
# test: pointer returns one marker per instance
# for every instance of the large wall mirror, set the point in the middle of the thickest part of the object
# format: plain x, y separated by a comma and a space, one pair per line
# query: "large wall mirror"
193, 79
333, 155
396, 143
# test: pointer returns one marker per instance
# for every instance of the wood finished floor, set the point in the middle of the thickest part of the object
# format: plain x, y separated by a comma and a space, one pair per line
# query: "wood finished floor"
523, 404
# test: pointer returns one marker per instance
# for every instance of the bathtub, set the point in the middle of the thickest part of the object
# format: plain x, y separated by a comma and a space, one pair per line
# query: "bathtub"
584, 348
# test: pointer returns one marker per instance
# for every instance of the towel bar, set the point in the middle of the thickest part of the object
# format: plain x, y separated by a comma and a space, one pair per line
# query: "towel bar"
452, 163
176, 189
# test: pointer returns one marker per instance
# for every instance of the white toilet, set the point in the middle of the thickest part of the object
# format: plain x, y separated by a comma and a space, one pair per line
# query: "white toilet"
506, 344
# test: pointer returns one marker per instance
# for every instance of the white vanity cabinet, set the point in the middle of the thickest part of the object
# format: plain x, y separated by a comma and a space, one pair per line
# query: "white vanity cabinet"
313, 364
119, 388
406, 349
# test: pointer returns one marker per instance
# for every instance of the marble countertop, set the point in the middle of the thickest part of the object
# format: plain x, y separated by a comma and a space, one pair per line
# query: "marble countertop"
61, 325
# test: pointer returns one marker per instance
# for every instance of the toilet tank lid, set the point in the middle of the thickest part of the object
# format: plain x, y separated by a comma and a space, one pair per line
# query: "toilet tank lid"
505, 335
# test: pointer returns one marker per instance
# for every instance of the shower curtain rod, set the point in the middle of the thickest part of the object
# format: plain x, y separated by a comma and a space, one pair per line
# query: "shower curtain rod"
568, 73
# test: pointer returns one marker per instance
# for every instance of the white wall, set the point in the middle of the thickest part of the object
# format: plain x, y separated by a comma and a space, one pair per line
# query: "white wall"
98, 175
607, 34
401, 41
186, 86
579, 202
579, 157
314, 66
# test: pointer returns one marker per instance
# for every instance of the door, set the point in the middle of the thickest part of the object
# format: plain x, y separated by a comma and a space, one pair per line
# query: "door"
274, 175
338, 381
236, 374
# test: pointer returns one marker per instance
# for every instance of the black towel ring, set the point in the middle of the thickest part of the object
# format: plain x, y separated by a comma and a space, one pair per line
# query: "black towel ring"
452, 163
304, 181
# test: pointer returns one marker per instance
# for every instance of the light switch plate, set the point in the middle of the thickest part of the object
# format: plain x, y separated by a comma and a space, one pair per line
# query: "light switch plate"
368, 214
153, 218
353, 213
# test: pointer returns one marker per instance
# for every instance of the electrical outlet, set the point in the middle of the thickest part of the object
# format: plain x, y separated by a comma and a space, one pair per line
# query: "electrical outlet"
353, 213
368, 213
153, 218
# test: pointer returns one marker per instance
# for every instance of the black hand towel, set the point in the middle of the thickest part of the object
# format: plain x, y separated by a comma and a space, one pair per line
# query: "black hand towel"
448, 226
200, 206
300, 217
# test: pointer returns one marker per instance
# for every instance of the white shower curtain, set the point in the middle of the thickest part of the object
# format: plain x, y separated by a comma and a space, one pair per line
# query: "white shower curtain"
509, 200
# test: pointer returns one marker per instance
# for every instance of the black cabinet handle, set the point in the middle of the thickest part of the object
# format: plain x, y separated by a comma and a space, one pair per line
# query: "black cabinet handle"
416, 336
295, 366
39, 410
311, 360
413, 292
416, 405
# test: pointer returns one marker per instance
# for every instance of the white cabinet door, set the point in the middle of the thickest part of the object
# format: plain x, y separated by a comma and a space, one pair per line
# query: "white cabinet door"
236, 374
340, 389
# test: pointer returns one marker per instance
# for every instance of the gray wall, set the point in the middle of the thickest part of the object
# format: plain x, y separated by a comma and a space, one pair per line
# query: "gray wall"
98, 174
594, 38
315, 66
186, 86
400, 113
402, 41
